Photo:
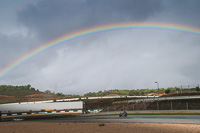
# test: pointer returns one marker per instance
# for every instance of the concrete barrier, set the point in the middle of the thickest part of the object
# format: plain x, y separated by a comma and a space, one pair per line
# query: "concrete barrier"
35, 107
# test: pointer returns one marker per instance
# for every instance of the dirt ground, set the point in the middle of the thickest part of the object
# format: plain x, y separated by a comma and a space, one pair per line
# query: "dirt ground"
27, 127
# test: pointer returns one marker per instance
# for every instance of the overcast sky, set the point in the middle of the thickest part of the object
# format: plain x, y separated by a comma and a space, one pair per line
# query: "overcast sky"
125, 59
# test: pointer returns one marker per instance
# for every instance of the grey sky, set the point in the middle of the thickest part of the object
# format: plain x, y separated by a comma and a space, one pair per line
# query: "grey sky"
127, 59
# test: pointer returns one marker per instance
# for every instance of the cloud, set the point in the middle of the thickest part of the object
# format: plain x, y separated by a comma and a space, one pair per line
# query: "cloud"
126, 59
180, 12
13, 46
122, 60
49, 18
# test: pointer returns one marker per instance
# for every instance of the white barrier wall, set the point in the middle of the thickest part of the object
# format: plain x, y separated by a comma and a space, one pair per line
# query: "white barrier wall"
4, 108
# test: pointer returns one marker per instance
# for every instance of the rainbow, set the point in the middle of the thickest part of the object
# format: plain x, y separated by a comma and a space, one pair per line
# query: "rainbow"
98, 30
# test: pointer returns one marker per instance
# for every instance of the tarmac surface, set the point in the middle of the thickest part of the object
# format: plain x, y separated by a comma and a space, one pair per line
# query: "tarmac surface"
108, 124
173, 119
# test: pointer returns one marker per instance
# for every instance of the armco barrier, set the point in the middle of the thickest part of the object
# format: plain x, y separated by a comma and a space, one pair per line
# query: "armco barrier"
48, 112
43, 112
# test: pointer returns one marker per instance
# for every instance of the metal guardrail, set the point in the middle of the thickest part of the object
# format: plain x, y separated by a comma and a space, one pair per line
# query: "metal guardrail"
40, 112
104, 97
165, 98
73, 111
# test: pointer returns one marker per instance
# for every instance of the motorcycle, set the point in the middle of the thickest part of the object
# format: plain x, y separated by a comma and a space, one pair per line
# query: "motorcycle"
124, 114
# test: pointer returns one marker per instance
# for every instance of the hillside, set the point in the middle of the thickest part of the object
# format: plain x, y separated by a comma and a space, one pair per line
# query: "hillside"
27, 93
17, 91
9, 94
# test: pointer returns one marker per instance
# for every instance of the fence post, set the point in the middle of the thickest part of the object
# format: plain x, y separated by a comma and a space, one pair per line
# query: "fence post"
0, 115
157, 105
171, 106
133, 107
187, 105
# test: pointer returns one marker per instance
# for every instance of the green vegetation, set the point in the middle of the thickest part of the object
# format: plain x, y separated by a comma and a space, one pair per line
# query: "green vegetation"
24, 90
137, 92
53, 93
18, 91
167, 91
21, 91
133, 92
197, 88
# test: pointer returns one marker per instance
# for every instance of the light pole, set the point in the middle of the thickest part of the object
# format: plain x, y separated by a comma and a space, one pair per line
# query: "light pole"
157, 87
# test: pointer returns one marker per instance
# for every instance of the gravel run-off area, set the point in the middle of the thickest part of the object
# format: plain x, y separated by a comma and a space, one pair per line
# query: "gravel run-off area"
39, 127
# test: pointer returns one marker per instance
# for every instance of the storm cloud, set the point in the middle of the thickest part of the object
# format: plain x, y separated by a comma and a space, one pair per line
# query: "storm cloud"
69, 15
125, 59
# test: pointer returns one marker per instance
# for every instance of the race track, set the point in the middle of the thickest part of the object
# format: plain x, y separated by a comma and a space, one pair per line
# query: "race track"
174, 119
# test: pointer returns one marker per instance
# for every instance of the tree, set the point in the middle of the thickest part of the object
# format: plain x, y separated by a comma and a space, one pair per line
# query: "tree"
167, 91
29, 86
60, 94
47, 92
197, 88
33, 89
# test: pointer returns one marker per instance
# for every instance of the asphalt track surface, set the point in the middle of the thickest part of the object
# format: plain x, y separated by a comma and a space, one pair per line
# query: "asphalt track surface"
174, 119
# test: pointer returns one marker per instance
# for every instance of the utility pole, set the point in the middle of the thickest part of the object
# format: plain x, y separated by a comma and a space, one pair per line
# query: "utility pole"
189, 88
157, 87
181, 89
